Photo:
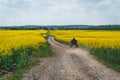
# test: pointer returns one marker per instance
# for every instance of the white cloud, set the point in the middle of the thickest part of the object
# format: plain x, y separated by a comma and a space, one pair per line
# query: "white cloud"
22, 12
106, 2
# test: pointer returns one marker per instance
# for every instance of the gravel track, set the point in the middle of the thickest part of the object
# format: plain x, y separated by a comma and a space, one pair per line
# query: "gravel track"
70, 64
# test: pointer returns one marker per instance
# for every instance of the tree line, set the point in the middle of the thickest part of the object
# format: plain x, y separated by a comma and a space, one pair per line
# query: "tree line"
63, 27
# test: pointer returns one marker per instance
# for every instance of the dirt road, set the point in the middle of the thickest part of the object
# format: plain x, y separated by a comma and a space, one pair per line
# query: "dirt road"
70, 64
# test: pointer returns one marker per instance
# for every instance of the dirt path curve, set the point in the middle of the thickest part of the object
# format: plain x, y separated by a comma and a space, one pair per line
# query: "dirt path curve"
70, 64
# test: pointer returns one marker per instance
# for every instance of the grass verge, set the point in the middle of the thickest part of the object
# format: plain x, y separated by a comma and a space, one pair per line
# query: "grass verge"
110, 57
23, 59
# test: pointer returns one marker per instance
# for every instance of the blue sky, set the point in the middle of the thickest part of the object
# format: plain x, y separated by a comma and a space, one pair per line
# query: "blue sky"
59, 12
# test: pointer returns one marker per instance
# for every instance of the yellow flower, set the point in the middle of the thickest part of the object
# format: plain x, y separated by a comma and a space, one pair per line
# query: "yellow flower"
19, 38
91, 38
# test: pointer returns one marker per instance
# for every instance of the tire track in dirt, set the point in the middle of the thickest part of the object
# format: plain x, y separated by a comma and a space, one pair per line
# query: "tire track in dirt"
70, 64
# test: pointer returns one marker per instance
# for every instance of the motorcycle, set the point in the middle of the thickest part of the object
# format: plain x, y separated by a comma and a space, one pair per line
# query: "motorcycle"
73, 45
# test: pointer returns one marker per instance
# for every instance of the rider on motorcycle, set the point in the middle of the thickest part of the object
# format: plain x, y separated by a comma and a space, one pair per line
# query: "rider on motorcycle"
73, 42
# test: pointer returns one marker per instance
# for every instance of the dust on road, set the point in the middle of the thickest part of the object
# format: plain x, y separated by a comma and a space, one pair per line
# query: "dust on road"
70, 64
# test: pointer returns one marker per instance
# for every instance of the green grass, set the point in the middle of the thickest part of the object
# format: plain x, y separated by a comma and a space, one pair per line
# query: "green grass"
17, 75
110, 57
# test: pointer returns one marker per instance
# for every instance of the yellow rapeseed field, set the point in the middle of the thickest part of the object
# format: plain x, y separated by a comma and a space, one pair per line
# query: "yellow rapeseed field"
19, 38
91, 38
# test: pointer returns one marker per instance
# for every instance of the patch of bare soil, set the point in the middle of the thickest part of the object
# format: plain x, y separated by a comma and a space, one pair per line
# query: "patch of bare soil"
70, 64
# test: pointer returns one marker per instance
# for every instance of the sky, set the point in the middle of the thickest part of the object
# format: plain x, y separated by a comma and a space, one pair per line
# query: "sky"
59, 12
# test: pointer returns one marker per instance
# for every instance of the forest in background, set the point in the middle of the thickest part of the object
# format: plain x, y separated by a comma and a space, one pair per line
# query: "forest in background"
62, 27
